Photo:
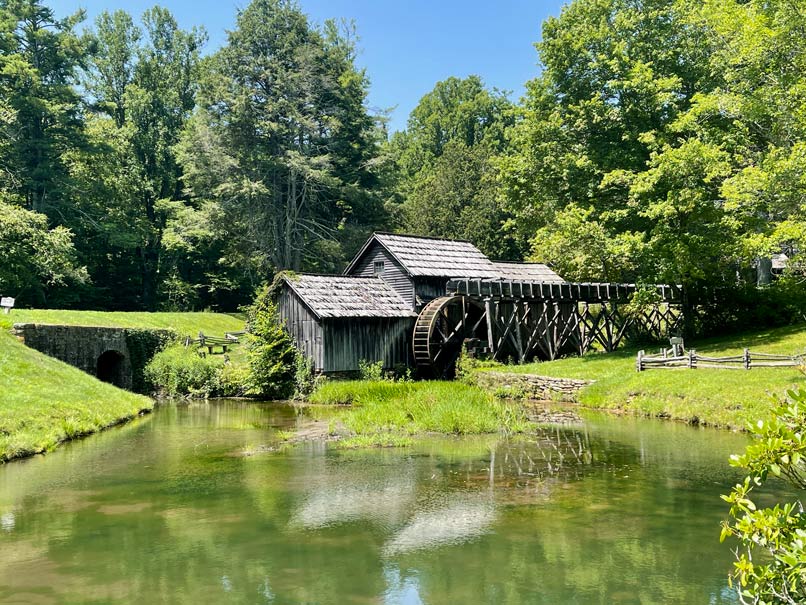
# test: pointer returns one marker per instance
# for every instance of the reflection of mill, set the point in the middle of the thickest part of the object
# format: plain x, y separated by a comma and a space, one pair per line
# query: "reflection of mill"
449, 492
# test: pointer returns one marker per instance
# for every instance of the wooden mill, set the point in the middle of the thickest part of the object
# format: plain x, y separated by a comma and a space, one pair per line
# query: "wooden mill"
416, 301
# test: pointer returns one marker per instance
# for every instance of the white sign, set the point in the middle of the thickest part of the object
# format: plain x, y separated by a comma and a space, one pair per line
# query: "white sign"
6, 303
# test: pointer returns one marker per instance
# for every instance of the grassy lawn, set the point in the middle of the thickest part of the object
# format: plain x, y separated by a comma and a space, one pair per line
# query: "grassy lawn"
45, 401
212, 324
720, 397
385, 413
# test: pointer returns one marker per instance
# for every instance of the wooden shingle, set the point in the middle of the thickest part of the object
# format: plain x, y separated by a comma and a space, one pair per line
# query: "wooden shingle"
336, 296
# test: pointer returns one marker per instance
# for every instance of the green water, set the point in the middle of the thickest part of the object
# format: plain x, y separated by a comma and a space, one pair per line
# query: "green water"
168, 510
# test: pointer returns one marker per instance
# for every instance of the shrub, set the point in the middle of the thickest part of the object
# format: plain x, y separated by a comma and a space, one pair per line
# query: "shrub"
180, 370
770, 565
370, 371
271, 351
304, 379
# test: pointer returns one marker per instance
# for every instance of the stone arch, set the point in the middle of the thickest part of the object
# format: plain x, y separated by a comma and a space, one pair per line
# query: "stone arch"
111, 367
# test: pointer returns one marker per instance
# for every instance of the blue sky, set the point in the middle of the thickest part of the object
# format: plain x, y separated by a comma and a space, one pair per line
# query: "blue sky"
406, 46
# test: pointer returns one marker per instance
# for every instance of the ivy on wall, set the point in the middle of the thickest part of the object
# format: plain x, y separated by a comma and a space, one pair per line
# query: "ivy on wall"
143, 344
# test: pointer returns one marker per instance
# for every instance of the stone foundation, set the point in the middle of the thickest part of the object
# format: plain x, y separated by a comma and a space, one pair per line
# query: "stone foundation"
530, 386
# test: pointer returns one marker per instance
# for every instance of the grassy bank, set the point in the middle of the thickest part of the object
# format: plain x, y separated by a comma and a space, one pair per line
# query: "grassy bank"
388, 413
213, 324
45, 401
720, 397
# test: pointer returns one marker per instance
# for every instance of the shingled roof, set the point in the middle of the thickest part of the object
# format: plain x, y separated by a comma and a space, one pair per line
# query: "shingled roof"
433, 257
337, 296
527, 272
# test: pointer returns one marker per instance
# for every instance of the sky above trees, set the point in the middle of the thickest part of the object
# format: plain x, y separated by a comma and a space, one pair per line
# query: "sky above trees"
406, 47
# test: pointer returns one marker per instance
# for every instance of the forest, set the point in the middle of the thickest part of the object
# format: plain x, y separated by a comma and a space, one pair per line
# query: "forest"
661, 141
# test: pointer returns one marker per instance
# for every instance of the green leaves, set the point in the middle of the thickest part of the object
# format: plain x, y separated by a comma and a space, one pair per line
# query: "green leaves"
33, 255
771, 557
282, 140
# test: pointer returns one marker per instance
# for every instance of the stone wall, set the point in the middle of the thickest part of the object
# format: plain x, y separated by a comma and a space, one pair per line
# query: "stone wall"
116, 355
530, 386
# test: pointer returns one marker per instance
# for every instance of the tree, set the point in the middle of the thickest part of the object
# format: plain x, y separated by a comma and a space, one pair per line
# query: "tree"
39, 59
282, 139
771, 558
446, 168
34, 257
455, 198
616, 75
145, 81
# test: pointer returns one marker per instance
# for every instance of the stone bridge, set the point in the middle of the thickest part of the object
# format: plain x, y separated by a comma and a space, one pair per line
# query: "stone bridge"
114, 355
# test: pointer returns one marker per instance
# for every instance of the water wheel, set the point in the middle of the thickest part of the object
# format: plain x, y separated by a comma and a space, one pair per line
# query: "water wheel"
441, 329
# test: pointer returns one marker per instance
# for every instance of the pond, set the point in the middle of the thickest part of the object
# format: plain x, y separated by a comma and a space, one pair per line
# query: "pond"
168, 509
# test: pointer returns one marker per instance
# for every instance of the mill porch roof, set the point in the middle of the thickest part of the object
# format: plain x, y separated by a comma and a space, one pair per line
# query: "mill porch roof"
332, 296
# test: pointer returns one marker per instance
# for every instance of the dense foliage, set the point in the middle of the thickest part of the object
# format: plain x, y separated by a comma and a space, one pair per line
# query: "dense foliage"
661, 142
771, 559
273, 359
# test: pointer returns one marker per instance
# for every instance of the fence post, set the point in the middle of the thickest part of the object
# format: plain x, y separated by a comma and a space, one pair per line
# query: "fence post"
692, 359
639, 364
746, 359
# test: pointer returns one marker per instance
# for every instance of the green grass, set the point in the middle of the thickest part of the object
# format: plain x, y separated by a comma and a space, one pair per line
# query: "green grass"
719, 397
213, 324
374, 440
381, 408
45, 401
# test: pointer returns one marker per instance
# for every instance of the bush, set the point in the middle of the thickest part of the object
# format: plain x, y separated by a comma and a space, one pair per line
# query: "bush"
271, 351
180, 370
370, 371
770, 565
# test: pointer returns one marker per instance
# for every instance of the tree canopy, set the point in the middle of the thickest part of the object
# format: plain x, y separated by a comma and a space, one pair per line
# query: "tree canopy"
662, 141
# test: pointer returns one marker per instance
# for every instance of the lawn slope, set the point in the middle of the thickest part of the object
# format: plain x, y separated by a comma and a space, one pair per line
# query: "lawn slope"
44, 401
720, 397
213, 324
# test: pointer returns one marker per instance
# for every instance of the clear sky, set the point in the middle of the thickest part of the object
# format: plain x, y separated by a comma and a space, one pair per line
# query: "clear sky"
406, 45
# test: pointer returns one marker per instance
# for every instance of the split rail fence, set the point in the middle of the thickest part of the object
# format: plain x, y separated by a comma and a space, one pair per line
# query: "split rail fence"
210, 342
692, 360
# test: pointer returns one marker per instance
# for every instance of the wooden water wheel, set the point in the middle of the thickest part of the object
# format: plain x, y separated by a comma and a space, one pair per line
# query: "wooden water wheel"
441, 329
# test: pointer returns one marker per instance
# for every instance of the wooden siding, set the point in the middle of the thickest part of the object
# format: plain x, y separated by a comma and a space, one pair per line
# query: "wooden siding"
393, 274
351, 340
303, 326
429, 288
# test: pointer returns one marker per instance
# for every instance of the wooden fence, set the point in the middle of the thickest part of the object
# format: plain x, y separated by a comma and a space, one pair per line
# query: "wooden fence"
691, 359
210, 342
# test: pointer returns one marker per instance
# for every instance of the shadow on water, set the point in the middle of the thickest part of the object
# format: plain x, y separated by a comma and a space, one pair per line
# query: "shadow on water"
160, 510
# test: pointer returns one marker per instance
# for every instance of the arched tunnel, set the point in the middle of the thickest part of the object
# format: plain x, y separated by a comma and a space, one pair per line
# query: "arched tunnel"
111, 368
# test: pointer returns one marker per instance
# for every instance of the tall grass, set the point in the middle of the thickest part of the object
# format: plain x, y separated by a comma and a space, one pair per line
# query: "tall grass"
383, 407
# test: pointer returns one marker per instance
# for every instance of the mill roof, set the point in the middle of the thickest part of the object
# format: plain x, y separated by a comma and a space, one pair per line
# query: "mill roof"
433, 257
527, 272
338, 296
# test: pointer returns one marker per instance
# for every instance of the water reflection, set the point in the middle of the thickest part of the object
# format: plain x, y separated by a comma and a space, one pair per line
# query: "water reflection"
452, 524
167, 510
